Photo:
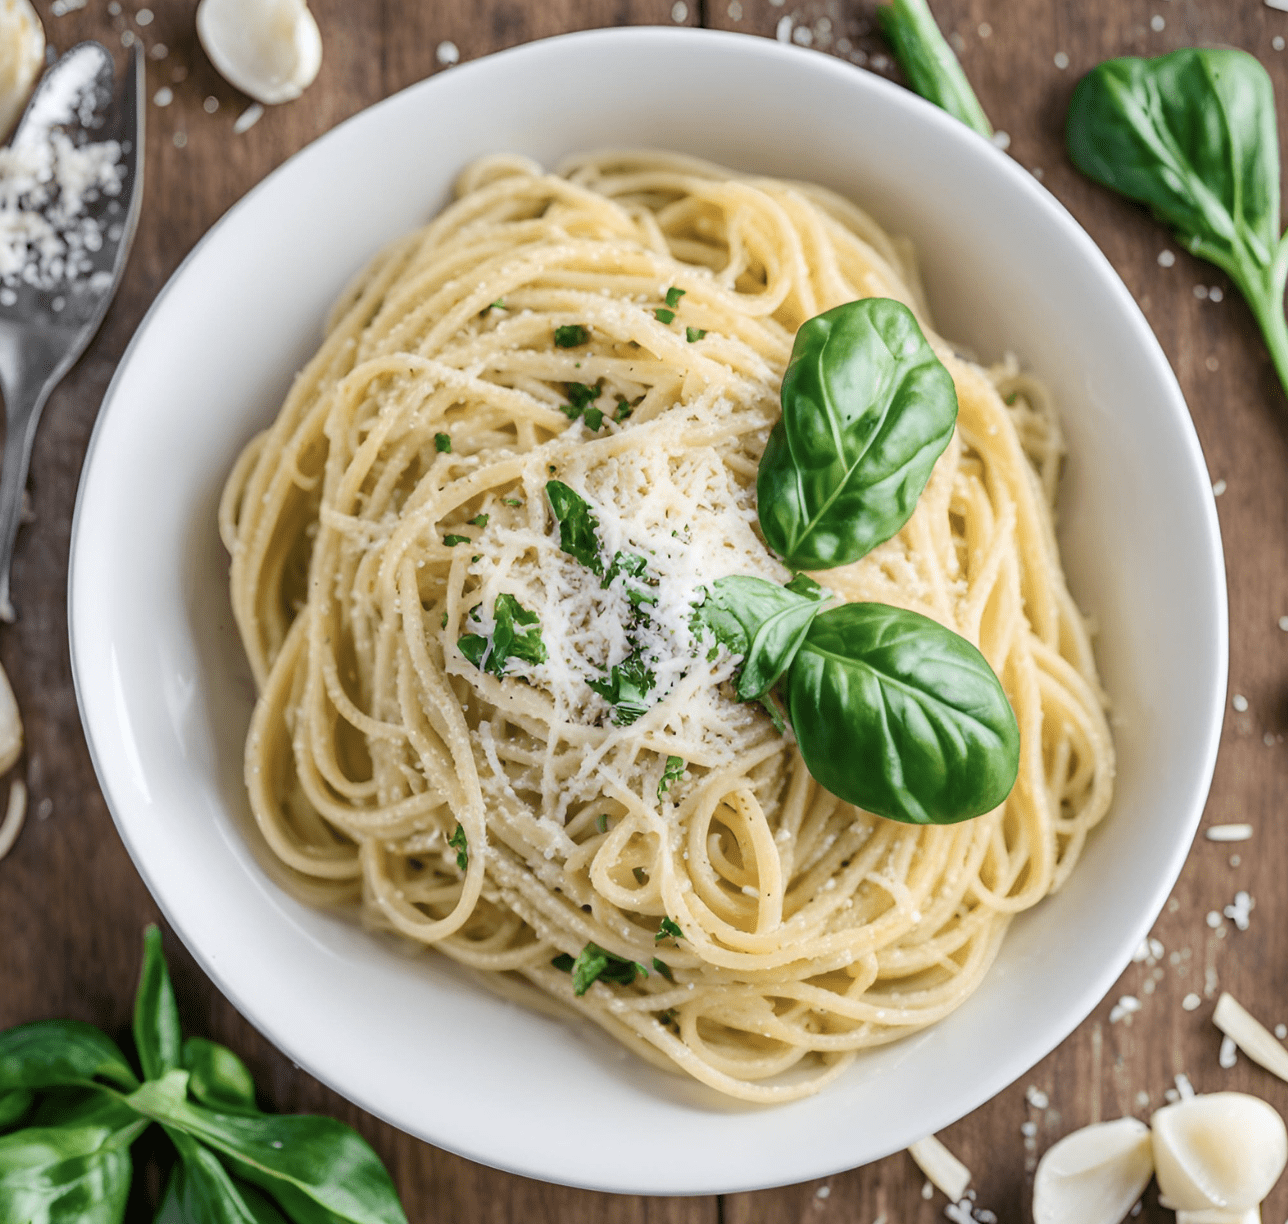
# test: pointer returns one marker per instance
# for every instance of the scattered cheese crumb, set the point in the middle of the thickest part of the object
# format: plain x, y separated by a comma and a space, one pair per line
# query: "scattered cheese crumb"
1238, 912
248, 118
942, 1168
1218, 488
1191, 1001
447, 53
1029, 1129
1061, 60
1200, 292
679, 12
1229, 1054
1126, 1007
1184, 1089
163, 96
783, 31
210, 105
1213, 919
1252, 1037
143, 17
1215, 293
1002, 140
735, 10
1240, 702
1229, 832
1156, 23
1166, 259
985, 30
1036, 1097
1212, 364
823, 1192
1277, 42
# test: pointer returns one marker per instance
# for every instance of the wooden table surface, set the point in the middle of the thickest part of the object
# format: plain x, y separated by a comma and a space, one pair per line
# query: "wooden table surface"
72, 906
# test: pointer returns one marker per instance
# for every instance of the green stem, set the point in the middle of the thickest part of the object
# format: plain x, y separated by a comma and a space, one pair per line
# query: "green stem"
1265, 297
929, 63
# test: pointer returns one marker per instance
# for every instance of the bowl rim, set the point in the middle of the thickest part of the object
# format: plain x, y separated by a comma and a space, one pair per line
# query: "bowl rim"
599, 41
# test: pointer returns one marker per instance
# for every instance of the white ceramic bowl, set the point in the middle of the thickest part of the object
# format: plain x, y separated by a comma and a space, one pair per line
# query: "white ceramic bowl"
165, 694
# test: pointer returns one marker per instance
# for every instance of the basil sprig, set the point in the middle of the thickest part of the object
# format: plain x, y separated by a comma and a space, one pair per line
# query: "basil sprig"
929, 63
1193, 135
867, 409
85, 1106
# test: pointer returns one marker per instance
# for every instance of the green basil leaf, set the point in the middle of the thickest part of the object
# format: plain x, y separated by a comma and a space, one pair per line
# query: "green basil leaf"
626, 688
1193, 135
761, 621
66, 1175
156, 1015
577, 525
48, 1053
929, 63
902, 717
14, 1106
867, 409
217, 1077
315, 1161
201, 1191
517, 635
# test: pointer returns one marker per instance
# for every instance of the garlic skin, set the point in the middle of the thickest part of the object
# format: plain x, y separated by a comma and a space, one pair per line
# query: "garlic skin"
22, 56
269, 49
1094, 1175
1217, 1157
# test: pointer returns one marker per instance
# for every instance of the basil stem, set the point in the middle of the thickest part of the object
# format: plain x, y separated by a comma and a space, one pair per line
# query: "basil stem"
902, 717
201, 1191
867, 409
1193, 136
929, 63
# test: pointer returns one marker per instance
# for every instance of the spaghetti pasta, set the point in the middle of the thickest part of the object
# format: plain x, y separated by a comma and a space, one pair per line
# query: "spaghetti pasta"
623, 327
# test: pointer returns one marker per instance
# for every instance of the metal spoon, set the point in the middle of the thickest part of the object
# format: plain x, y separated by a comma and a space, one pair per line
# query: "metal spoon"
47, 318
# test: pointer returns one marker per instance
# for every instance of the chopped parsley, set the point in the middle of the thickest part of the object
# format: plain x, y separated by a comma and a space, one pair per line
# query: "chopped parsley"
580, 399
641, 876
694, 333
1010, 399
453, 540
517, 636
443, 443
576, 525
499, 304
673, 297
571, 336
668, 928
479, 520
626, 688
673, 772
512, 501
623, 409
664, 316
458, 842
594, 964
601, 822
664, 969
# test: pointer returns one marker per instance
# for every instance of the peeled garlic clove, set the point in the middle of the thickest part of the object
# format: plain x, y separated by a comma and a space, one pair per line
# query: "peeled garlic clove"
1095, 1175
22, 56
1219, 1153
270, 49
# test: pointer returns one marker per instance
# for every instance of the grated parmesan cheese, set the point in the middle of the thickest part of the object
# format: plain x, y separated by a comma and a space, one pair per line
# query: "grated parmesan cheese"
49, 183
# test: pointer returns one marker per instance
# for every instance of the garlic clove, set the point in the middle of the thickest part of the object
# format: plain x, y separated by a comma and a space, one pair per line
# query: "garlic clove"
269, 49
22, 56
1094, 1175
1218, 1155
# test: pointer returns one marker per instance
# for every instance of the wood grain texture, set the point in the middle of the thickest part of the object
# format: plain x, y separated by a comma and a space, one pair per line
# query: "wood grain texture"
71, 905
